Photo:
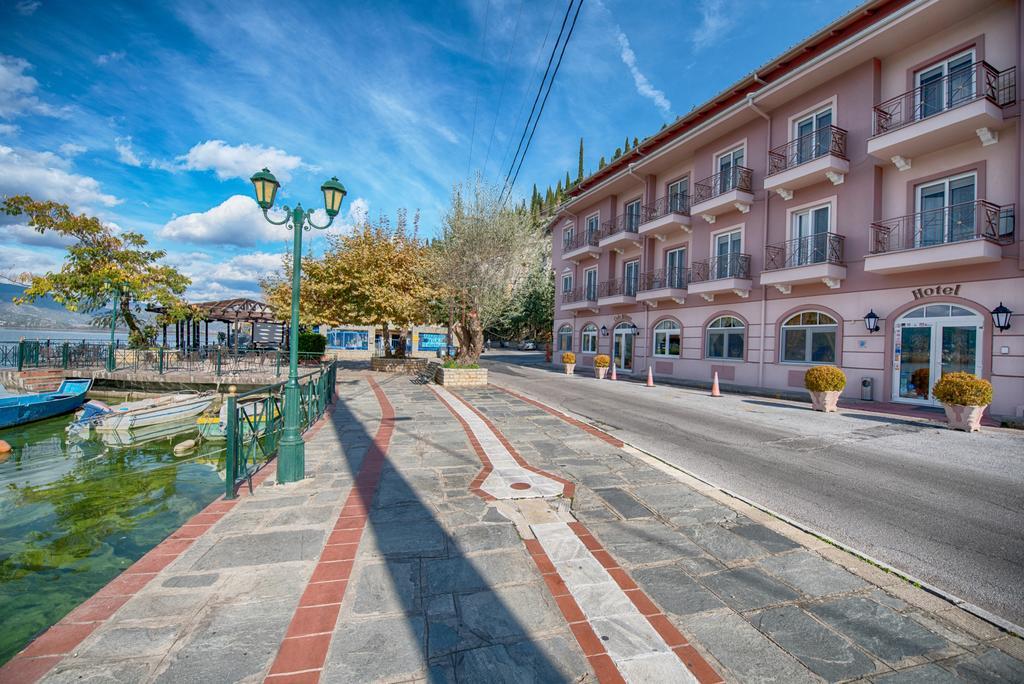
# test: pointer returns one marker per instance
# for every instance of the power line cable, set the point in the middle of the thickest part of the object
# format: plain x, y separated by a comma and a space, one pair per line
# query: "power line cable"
536, 99
548, 92
504, 80
476, 100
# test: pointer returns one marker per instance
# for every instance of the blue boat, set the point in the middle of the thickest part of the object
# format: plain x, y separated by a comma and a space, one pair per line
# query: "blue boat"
18, 409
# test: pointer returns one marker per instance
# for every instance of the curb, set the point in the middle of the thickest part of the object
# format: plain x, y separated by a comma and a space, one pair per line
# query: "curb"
991, 618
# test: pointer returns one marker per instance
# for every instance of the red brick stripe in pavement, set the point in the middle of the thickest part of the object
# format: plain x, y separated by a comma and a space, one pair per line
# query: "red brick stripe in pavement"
592, 646
301, 656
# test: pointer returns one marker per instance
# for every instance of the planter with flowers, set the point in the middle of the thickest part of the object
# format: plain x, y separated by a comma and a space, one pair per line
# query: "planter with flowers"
825, 384
601, 363
569, 360
965, 398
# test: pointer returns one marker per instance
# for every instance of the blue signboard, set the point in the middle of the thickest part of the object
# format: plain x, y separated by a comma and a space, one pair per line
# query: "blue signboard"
348, 339
432, 341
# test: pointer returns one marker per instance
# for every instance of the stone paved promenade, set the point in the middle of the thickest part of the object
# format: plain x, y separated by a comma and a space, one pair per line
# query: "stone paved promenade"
474, 536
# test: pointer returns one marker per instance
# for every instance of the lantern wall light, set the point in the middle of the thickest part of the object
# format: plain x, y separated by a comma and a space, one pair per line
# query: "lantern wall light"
1001, 317
871, 321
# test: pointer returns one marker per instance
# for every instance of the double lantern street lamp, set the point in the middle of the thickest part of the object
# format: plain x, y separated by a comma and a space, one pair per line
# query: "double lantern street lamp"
291, 456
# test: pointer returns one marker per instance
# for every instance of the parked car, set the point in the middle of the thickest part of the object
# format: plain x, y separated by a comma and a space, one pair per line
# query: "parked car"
528, 345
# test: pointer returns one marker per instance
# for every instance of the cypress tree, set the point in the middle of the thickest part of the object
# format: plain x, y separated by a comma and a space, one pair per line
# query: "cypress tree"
601, 164
618, 153
636, 142
625, 146
579, 172
567, 181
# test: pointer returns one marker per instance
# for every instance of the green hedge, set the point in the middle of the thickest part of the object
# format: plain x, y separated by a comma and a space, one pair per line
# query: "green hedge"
312, 343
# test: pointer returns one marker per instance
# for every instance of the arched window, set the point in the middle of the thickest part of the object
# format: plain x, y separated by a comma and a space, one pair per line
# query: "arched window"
725, 338
809, 337
588, 339
565, 338
667, 338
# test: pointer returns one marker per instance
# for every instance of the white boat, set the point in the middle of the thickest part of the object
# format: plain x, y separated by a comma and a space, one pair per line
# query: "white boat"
136, 414
254, 411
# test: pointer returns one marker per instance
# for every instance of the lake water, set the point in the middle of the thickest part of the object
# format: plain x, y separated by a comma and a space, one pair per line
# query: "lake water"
76, 335
74, 514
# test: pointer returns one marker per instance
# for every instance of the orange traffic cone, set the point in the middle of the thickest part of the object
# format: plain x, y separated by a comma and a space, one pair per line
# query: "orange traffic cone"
650, 377
613, 372
715, 392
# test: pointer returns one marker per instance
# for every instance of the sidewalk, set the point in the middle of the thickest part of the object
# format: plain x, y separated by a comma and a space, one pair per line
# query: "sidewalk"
475, 536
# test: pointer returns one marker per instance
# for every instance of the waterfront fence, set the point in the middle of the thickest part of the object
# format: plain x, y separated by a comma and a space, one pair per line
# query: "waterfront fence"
255, 422
42, 354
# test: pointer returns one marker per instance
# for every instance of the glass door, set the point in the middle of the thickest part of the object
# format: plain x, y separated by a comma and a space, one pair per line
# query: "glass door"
727, 164
931, 341
630, 277
727, 250
914, 350
675, 265
812, 135
945, 211
677, 193
945, 85
622, 351
633, 216
590, 279
810, 233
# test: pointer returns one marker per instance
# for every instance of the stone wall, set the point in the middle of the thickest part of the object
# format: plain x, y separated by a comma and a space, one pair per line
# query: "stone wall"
396, 365
460, 377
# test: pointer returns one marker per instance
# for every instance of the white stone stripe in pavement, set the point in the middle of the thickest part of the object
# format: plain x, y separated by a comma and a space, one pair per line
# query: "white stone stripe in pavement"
638, 651
506, 470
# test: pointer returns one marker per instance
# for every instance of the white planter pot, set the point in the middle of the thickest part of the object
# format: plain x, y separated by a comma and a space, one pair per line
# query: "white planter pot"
825, 401
569, 368
966, 418
600, 372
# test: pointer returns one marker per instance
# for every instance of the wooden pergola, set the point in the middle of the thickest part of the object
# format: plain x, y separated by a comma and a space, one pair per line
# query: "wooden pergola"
232, 312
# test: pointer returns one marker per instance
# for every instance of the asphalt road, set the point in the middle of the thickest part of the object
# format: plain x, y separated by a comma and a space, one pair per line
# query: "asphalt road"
944, 506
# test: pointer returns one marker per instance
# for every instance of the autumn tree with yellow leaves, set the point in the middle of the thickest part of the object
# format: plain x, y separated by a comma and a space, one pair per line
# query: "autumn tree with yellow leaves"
374, 275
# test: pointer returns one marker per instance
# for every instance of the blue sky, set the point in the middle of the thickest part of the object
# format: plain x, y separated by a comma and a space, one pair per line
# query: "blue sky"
153, 115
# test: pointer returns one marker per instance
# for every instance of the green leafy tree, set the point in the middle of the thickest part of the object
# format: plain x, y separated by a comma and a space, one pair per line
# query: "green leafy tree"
99, 263
636, 142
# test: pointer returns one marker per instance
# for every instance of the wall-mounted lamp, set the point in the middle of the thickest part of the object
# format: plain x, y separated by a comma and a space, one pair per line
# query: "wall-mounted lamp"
604, 331
1001, 317
633, 329
871, 321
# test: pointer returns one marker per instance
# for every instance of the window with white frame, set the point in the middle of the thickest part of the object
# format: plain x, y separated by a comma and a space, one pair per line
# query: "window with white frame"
565, 338
590, 283
725, 338
727, 164
593, 224
946, 210
679, 195
568, 233
566, 283
809, 234
809, 337
812, 134
728, 247
667, 338
633, 215
945, 84
588, 339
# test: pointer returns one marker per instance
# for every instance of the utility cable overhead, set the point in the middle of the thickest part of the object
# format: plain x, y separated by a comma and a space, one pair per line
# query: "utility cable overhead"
565, 44
501, 93
536, 99
476, 100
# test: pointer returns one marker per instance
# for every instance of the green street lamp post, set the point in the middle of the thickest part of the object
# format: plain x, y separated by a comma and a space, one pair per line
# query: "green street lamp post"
291, 466
111, 363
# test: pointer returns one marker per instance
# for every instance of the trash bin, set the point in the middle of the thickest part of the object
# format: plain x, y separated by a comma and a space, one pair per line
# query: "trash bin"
867, 389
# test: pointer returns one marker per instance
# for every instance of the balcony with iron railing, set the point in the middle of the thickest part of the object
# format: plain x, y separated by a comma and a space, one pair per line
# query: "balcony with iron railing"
621, 231
617, 291
666, 215
808, 259
720, 275
580, 298
580, 244
965, 103
731, 190
954, 235
812, 158
663, 284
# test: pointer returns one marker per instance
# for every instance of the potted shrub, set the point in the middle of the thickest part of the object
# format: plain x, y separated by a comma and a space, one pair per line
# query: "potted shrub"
965, 398
601, 363
825, 384
569, 359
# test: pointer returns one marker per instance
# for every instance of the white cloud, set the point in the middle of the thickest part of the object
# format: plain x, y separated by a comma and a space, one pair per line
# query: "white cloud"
44, 175
235, 221
110, 57
125, 153
8, 129
17, 90
643, 86
27, 7
239, 161
17, 260
715, 21
23, 234
235, 277
72, 149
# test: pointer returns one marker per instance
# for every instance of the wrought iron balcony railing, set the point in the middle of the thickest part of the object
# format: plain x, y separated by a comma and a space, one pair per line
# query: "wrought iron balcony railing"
619, 286
959, 87
580, 294
830, 140
978, 220
580, 239
664, 277
677, 203
732, 265
623, 223
823, 248
736, 178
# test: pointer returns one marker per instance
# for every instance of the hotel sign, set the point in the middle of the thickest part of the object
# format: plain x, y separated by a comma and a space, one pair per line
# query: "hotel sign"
938, 290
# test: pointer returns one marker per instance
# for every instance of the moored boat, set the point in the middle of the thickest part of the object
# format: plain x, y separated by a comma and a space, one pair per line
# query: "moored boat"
18, 409
145, 412
254, 410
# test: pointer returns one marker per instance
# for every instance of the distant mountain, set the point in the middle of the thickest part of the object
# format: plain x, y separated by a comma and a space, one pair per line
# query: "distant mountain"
43, 313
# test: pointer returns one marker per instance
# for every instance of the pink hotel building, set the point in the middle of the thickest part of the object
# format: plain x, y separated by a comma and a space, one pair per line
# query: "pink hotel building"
851, 202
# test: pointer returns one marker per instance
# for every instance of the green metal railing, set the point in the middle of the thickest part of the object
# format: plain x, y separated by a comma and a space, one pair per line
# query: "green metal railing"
255, 422
29, 354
